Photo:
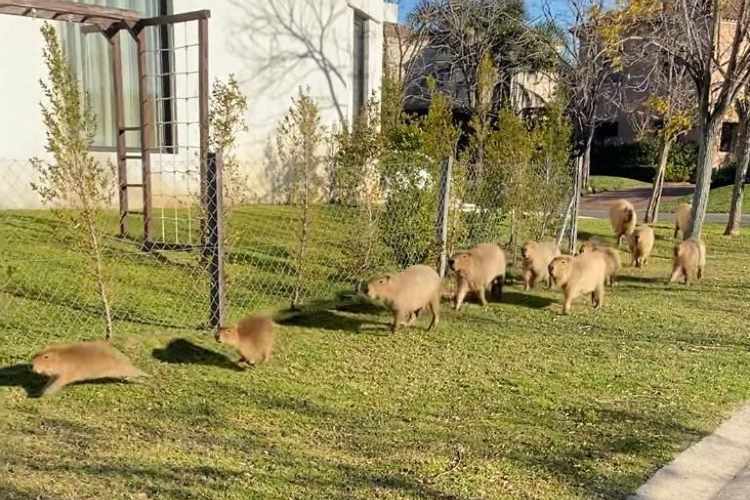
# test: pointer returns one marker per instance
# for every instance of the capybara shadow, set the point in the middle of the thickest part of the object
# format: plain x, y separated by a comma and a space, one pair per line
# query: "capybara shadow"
21, 375
526, 300
323, 320
640, 279
181, 352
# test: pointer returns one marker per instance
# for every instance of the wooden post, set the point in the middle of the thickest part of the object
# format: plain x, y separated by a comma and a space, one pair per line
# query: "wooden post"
443, 213
203, 109
122, 169
147, 130
215, 238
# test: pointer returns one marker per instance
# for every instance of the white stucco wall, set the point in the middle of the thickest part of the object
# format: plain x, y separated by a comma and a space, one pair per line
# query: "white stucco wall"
274, 48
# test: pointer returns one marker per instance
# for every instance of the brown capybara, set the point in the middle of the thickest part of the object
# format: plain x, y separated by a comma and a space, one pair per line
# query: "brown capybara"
611, 255
536, 258
407, 293
623, 219
478, 270
578, 276
252, 336
93, 360
683, 217
688, 259
641, 243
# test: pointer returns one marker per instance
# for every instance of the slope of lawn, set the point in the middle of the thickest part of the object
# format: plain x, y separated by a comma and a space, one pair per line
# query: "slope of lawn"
718, 202
510, 401
601, 183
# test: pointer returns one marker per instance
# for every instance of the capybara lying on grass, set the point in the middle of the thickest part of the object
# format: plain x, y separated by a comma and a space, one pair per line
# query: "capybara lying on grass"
69, 363
688, 260
536, 258
252, 337
478, 270
683, 217
578, 276
407, 292
641, 244
611, 255
623, 219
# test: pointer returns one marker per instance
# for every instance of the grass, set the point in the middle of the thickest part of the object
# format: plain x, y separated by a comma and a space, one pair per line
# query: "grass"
718, 202
510, 401
601, 183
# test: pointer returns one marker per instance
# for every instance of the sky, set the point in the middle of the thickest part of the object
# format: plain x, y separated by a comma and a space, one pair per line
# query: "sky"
534, 7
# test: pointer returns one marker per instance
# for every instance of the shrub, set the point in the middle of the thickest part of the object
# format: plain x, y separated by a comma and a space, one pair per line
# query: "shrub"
682, 161
634, 161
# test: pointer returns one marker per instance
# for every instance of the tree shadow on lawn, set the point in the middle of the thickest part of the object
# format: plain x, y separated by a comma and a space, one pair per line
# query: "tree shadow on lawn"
182, 351
20, 375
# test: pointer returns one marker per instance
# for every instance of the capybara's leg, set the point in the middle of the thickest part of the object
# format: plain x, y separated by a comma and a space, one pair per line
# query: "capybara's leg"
54, 386
675, 274
498, 287
686, 275
599, 296
567, 303
435, 309
463, 289
676, 232
397, 320
700, 272
528, 277
481, 292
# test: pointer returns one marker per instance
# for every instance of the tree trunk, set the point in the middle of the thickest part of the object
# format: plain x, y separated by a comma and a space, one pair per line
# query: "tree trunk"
652, 212
586, 168
743, 160
577, 185
706, 159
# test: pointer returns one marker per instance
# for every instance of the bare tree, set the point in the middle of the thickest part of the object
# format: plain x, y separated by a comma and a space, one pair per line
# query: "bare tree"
711, 40
742, 157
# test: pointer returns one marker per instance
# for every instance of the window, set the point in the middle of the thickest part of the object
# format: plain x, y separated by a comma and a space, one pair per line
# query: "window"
728, 134
89, 55
359, 63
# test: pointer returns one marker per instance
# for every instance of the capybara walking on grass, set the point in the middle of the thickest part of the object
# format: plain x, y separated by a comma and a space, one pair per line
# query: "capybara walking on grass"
478, 270
578, 276
69, 363
536, 258
641, 244
407, 292
688, 260
683, 217
252, 337
611, 255
623, 219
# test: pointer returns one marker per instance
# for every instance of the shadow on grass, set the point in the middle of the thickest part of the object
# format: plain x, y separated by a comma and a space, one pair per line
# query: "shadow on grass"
181, 351
324, 320
526, 300
20, 375
641, 279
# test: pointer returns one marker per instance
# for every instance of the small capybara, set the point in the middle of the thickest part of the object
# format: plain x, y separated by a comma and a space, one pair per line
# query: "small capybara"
93, 360
407, 293
578, 276
252, 336
536, 258
623, 218
641, 243
683, 217
611, 255
688, 259
478, 270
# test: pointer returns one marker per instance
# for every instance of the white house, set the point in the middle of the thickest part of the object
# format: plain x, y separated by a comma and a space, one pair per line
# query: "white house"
332, 49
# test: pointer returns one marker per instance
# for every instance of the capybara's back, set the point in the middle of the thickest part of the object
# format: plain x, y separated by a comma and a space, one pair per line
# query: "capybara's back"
689, 259
623, 218
252, 337
641, 244
683, 217
408, 292
490, 260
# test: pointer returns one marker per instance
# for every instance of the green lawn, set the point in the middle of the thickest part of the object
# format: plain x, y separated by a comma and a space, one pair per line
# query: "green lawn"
510, 401
601, 183
718, 202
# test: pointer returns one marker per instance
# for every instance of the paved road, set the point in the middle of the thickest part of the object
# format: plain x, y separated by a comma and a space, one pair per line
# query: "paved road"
597, 205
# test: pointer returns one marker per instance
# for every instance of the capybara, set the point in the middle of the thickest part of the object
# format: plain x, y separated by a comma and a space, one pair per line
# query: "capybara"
623, 218
578, 276
641, 243
478, 270
688, 259
407, 293
536, 258
93, 360
683, 217
611, 255
252, 336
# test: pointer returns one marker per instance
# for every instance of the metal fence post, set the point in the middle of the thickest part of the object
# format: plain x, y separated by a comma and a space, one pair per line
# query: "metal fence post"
444, 199
215, 237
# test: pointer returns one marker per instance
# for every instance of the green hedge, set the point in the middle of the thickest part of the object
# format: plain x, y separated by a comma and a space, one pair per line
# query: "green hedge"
638, 161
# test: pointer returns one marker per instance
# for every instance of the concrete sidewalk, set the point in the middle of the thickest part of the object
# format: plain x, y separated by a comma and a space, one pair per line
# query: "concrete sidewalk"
715, 468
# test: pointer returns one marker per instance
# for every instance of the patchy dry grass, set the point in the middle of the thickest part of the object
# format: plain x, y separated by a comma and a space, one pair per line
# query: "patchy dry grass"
511, 401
